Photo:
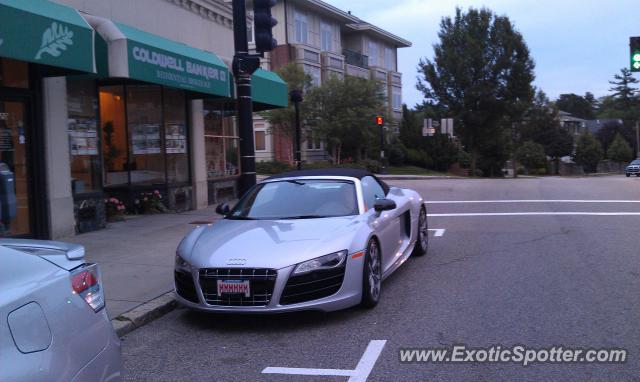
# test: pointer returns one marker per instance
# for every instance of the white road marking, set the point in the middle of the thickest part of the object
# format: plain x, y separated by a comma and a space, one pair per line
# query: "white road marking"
359, 374
438, 231
538, 213
529, 201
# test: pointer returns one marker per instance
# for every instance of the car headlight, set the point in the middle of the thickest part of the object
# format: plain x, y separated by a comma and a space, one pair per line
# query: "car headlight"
330, 261
181, 263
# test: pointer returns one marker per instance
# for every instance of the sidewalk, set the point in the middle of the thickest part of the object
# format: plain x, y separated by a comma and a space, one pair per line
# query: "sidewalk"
136, 256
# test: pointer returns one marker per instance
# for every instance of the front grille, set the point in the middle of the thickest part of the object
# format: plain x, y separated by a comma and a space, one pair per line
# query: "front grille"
261, 283
185, 286
312, 286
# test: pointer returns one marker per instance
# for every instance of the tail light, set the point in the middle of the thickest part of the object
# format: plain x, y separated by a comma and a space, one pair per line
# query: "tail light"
86, 282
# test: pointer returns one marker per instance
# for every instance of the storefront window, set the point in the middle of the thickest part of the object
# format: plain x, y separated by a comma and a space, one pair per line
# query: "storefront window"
175, 122
14, 74
114, 135
15, 181
221, 141
144, 120
82, 106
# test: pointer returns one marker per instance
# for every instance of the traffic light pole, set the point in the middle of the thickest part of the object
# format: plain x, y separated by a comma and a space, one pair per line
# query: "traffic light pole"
244, 65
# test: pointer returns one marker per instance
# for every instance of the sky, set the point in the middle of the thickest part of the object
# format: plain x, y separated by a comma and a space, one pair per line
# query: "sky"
577, 45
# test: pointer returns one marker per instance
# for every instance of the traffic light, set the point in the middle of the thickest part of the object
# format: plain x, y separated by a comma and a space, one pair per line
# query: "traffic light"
263, 22
379, 120
634, 43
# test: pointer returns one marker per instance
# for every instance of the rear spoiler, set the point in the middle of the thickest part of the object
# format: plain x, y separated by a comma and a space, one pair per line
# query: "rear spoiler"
72, 251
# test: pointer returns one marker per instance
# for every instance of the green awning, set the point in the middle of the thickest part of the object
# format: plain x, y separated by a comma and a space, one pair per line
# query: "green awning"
132, 53
47, 33
268, 90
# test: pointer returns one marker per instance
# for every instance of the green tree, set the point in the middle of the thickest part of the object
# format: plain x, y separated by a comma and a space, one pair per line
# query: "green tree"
481, 75
624, 91
282, 120
541, 125
619, 150
342, 113
576, 105
531, 155
588, 152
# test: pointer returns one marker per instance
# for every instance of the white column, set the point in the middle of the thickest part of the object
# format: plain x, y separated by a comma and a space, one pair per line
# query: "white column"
57, 166
200, 198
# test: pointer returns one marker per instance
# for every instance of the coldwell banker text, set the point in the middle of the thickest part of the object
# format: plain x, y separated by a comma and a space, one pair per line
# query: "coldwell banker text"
169, 62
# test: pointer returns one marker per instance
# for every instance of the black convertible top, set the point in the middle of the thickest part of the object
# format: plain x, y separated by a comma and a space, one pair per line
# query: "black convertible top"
349, 172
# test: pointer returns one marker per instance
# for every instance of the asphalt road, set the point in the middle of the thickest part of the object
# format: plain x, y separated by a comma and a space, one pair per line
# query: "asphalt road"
534, 280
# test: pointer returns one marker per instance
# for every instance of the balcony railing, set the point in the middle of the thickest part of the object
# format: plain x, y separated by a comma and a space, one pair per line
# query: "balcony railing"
352, 57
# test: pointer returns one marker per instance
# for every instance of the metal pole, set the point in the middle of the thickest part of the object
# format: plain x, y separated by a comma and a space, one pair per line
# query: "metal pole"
637, 139
513, 150
382, 158
298, 134
242, 73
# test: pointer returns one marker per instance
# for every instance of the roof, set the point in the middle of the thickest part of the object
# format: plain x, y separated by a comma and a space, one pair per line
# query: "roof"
363, 26
349, 172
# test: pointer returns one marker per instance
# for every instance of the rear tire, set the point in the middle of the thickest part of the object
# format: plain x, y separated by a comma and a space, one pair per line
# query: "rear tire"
422, 241
371, 276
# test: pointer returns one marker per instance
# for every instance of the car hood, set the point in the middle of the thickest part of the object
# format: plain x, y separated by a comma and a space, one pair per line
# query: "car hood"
270, 243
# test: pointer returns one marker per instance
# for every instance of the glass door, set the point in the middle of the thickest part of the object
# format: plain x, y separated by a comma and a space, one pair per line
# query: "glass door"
15, 182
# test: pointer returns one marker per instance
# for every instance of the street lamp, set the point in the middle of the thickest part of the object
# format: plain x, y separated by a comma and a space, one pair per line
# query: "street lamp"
296, 98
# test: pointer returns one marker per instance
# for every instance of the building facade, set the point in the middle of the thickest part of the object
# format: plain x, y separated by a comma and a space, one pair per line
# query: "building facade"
102, 99
326, 41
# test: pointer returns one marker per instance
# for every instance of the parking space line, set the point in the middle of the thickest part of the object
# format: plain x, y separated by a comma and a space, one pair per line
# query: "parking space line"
529, 201
359, 374
537, 214
438, 232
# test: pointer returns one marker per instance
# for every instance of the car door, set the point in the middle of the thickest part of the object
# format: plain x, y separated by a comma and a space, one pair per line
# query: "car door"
386, 223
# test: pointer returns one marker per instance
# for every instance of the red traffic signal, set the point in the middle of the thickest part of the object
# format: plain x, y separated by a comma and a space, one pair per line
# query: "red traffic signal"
379, 121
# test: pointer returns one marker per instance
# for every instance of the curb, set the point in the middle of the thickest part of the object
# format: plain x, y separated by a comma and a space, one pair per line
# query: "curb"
144, 313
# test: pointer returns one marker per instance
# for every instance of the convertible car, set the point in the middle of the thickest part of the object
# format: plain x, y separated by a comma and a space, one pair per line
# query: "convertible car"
302, 240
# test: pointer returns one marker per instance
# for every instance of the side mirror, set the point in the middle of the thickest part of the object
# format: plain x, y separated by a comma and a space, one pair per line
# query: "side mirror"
384, 205
223, 209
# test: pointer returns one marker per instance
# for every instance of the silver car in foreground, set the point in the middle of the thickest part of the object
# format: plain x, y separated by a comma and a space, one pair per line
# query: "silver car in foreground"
304, 240
53, 325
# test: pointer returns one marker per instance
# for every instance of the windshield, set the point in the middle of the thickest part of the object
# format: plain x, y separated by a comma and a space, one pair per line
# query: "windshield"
298, 199
636, 162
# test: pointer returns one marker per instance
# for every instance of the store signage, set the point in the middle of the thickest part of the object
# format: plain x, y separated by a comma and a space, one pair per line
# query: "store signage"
167, 68
55, 40
30, 33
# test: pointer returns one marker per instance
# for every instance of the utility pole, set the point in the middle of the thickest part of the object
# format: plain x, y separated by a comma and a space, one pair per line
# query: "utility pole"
637, 139
244, 64
296, 98
513, 149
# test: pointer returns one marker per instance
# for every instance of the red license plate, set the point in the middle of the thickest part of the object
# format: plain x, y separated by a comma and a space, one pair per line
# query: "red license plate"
234, 287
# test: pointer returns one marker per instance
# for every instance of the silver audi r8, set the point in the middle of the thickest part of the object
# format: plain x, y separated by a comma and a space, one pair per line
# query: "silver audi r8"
303, 240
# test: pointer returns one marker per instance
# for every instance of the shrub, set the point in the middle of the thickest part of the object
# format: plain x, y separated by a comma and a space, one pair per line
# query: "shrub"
150, 202
588, 152
114, 208
397, 154
619, 150
531, 155
419, 158
272, 167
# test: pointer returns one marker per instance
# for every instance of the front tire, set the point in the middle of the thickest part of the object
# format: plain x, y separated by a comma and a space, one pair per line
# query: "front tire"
628, 175
422, 241
372, 276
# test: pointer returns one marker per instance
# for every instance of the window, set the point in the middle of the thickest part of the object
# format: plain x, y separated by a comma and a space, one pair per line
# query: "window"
301, 26
260, 140
371, 191
175, 135
389, 59
314, 72
14, 74
82, 109
326, 36
144, 122
373, 53
397, 98
313, 141
114, 136
222, 152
